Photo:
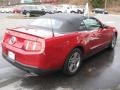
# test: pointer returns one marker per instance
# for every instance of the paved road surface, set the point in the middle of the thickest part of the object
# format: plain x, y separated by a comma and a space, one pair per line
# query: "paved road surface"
100, 72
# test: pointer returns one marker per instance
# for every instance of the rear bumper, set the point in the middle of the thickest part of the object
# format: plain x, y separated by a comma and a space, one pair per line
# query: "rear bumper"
25, 67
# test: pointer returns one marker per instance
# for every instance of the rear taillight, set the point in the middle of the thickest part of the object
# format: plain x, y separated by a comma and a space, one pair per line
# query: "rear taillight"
34, 46
6, 36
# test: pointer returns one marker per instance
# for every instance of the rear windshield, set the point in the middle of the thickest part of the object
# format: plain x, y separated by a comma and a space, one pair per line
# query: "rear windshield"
58, 25
47, 23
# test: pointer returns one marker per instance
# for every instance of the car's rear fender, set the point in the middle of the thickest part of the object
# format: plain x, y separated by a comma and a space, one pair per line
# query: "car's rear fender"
58, 48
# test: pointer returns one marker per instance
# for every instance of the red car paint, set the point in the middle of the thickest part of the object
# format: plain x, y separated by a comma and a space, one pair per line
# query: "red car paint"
53, 51
17, 10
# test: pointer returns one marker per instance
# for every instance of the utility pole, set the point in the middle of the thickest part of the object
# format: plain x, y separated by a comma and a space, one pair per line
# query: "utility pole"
105, 4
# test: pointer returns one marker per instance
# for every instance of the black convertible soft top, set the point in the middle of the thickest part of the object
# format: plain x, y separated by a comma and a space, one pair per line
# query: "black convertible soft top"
71, 22
67, 17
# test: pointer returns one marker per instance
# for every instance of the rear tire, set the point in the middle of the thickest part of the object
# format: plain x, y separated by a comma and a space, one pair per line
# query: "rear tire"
73, 12
80, 12
73, 62
28, 14
59, 12
113, 42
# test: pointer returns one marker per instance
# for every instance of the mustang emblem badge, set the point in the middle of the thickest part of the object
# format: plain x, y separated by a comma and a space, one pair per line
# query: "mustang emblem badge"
12, 40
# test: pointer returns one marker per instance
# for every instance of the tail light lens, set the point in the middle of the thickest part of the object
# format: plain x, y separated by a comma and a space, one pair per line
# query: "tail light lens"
34, 46
6, 36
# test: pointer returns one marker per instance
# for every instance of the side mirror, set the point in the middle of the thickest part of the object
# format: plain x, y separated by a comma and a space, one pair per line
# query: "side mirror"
105, 26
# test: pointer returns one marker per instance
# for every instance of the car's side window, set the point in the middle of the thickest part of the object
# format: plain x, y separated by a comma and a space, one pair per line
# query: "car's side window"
82, 26
91, 24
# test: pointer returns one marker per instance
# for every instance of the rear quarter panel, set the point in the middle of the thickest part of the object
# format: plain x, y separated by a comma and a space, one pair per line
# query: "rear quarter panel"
58, 48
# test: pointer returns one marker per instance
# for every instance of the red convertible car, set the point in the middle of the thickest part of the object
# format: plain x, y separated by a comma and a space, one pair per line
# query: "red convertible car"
56, 41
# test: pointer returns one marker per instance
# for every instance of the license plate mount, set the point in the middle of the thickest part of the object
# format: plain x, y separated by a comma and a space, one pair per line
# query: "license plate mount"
11, 55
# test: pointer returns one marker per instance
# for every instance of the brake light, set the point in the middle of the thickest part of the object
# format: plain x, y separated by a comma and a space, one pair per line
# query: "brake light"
34, 46
6, 36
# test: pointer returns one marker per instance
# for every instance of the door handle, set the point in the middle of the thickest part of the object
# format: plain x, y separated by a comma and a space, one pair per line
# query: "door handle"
94, 35
99, 35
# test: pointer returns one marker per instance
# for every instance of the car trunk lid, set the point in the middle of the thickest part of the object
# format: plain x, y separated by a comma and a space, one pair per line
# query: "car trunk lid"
17, 37
39, 32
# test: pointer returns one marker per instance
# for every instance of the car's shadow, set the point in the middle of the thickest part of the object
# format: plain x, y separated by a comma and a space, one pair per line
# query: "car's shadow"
91, 68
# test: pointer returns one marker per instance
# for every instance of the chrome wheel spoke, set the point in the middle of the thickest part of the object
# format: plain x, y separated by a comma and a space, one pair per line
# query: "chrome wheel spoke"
74, 62
71, 67
77, 64
113, 41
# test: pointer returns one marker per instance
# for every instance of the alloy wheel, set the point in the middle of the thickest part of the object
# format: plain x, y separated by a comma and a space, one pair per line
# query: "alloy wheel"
74, 62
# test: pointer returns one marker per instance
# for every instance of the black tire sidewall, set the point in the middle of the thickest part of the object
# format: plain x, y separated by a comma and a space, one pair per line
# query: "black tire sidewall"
72, 11
114, 36
65, 68
27, 14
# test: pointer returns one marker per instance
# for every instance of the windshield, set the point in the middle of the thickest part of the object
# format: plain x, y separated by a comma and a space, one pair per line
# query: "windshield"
47, 23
